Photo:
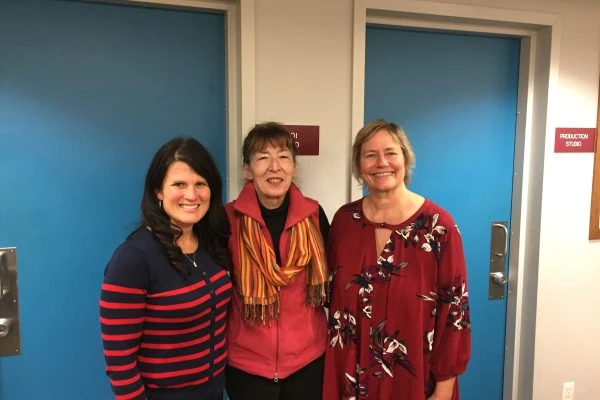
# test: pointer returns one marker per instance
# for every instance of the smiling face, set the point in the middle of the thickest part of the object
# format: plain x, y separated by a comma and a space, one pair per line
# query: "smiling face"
185, 195
271, 171
382, 165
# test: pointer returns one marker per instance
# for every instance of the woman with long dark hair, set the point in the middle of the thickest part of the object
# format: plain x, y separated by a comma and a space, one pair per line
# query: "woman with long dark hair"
166, 288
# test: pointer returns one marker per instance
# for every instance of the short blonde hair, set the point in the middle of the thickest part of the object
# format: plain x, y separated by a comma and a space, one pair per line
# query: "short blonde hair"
370, 129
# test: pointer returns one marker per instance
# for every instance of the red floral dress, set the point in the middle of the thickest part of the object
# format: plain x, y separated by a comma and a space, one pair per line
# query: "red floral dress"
398, 322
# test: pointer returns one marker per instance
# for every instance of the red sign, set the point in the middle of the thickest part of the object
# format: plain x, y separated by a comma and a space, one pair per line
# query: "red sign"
306, 138
574, 140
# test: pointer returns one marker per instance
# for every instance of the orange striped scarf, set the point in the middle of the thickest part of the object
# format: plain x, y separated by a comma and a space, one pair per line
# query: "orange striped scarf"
261, 278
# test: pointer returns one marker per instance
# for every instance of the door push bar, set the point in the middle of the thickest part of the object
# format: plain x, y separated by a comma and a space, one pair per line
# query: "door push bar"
498, 253
10, 333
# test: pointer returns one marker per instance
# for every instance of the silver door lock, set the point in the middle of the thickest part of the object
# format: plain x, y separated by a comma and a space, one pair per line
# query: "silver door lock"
5, 327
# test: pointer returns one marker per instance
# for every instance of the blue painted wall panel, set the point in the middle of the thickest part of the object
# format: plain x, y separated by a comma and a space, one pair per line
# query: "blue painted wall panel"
88, 92
456, 97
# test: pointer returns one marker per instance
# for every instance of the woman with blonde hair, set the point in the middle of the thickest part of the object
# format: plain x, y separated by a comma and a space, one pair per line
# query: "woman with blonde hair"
399, 323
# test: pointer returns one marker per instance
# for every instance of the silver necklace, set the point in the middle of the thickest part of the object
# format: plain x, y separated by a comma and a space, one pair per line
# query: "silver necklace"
193, 260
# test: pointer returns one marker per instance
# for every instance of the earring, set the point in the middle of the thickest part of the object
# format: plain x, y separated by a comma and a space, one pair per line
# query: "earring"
160, 203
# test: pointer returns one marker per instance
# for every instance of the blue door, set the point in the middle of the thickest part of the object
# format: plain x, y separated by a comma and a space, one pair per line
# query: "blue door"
88, 92
456, 97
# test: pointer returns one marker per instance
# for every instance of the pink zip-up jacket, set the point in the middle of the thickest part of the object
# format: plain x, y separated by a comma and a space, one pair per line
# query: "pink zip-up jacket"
299, 336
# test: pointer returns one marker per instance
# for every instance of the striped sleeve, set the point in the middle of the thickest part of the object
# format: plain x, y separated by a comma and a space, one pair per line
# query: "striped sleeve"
122, 307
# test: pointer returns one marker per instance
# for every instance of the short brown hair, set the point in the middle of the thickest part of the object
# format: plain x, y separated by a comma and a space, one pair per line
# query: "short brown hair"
370, 129
262, 135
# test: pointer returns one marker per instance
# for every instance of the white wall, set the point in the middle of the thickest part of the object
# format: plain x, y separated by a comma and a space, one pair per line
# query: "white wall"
303, 64
569, 265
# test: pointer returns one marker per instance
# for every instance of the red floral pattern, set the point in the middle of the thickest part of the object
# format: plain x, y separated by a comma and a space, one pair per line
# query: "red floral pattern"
399, 316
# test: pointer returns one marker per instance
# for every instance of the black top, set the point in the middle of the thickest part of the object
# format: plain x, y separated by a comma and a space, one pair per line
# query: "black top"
275, 221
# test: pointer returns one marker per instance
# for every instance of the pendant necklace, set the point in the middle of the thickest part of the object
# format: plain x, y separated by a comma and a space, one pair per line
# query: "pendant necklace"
192, 259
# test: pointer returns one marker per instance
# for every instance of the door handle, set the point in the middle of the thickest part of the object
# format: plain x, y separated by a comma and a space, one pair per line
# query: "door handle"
504, 229
4, 288
498, 278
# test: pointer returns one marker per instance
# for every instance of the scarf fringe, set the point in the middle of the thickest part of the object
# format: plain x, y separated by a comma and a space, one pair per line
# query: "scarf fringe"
268, 309
317, 295
260, 314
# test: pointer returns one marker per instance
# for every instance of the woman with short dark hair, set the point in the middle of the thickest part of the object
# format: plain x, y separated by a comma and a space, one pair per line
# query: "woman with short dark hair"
277, 324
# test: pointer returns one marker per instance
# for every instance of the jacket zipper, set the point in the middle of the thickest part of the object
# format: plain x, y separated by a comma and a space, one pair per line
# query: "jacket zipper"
276, 377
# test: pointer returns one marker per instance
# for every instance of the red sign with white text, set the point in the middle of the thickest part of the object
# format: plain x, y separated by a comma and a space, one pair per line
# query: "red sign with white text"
574, 140
306, 138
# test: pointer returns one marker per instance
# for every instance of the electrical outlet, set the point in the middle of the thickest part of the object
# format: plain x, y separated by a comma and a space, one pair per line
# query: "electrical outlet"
568, 392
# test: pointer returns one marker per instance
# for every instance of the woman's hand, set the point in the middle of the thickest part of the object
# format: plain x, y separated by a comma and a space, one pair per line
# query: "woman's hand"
443, 390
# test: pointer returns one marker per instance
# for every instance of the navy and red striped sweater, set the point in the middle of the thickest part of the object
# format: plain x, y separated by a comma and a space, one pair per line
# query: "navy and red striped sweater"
164, 337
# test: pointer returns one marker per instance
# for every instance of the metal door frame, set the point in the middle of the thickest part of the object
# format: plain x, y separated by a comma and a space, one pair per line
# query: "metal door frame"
538, 76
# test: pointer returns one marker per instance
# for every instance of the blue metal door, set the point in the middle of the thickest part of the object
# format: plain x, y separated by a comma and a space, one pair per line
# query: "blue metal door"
88, 93
456, 97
